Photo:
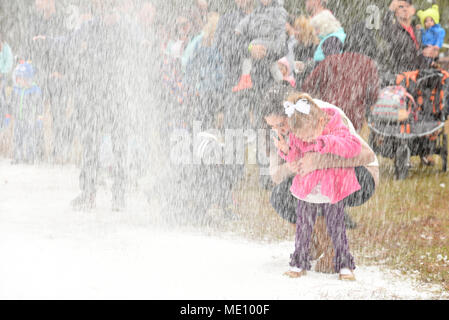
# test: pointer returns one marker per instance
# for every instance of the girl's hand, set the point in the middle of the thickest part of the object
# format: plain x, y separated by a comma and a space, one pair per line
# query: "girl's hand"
281, 144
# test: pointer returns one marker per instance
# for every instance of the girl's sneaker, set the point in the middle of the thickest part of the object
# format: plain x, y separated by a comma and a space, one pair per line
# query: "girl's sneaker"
295, 273
346, 274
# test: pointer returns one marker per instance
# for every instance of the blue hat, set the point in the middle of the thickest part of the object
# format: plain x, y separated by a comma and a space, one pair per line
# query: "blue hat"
24, 70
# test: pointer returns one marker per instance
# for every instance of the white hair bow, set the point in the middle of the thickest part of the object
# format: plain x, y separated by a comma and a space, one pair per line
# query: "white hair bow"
301, 105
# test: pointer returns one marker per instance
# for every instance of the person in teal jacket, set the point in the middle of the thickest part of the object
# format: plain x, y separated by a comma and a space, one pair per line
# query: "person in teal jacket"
329, 30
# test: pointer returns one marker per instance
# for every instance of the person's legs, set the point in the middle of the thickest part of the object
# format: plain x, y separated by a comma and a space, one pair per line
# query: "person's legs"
358, 198
306, 213
425, 148
39, 140
27, 138
23, 141
18, 141
58, 120
322, 248
2, 96
283, 202
334, 214
230, 175
52, 91
119, 149
286, 206
245, 81
367, 186
31, 141
89, 164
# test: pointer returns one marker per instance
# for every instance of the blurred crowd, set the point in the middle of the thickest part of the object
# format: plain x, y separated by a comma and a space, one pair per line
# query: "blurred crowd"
122, 74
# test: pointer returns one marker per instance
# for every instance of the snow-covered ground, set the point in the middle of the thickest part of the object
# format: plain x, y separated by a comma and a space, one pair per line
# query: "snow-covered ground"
48, 251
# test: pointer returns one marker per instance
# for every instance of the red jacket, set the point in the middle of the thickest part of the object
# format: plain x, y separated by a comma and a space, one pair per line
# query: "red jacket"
349, 81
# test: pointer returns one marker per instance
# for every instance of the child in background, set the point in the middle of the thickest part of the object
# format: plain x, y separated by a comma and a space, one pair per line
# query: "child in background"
26, 108
433, 34
320, 192
284, 67
264, 30
302, 45
302, 42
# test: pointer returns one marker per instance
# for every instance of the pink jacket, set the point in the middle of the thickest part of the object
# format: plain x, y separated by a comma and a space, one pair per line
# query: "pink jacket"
336, 183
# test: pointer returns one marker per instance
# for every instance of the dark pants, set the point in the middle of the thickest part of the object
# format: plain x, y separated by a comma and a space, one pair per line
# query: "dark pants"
367, 187
2, 96
94, 128
286, 204
306, 217
28, 140
62, 137
214, 185
283, 202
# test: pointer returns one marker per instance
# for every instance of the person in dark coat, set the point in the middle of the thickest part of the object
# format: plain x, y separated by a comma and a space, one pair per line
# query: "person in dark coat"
230, 46
106, 78
362, 40
400, 42
48, 46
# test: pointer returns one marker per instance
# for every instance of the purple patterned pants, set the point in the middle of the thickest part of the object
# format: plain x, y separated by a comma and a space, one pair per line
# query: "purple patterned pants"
334, 215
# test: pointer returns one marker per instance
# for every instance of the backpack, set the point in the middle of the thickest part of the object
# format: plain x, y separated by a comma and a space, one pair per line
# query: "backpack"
424, 85
390, 100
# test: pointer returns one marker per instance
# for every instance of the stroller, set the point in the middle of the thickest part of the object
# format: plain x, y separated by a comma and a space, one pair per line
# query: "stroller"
422, 133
